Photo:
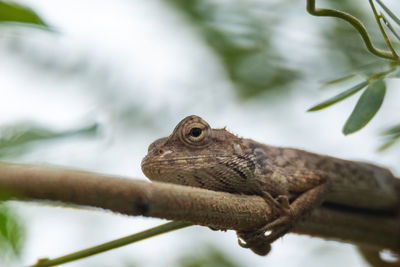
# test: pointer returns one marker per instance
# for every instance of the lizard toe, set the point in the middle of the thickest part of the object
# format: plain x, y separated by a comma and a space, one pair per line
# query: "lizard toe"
280, 204
277, 228
256, 241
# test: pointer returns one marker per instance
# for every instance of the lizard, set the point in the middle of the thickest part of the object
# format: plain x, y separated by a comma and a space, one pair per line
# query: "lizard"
292, 181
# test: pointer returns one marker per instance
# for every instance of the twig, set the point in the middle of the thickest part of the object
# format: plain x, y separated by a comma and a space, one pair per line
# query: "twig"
390, 13
390, 27
356, 23
378, 20
165, 228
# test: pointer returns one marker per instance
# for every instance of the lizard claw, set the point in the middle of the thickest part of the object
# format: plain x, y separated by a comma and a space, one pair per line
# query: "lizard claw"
255, 242
259, 241
284, 204
281, 204
277, 228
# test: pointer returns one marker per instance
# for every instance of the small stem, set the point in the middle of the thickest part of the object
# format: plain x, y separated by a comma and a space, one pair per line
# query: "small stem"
390, 27
378, 20
390, 13
357, 24
381, 74
164, 228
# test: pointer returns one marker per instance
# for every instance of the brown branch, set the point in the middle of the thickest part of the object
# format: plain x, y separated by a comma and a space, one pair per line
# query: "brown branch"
198, 206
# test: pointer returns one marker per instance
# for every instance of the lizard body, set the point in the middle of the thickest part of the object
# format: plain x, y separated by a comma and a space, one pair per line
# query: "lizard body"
291, 180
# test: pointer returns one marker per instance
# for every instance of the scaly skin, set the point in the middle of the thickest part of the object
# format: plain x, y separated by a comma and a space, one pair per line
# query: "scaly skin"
292, 181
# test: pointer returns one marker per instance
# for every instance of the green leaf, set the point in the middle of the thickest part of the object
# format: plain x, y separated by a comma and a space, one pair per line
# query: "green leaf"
388, 144
24, 133
392, 136
392, 130
339, 97
12, 12
15, 139
339, 80
11, 232
367, 106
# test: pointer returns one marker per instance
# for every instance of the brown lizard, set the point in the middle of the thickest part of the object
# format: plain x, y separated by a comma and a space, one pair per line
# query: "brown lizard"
292, 181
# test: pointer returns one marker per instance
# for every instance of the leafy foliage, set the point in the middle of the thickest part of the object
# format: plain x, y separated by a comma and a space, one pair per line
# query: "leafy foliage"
15, 139
372, 98
369, 102
391, 136
12, 12
209, 257
11, 232
241, 35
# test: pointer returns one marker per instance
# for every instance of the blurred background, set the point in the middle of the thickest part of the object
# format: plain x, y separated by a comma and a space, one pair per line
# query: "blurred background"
90, 84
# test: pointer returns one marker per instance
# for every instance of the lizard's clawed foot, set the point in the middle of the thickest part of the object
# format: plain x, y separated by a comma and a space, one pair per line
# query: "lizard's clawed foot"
281, 225
259, 241
255, 242
280, 205
277, 228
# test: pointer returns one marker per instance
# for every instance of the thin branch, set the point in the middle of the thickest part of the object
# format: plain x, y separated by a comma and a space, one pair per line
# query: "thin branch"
390, 27
218, 210
356, 23
378, 20
389, 12
165, 228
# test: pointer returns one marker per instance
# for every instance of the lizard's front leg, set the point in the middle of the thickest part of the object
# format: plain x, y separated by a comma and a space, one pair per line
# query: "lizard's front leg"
311, 187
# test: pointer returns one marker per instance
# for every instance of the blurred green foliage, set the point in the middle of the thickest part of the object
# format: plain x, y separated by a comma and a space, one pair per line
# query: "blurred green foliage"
391, 136
17, 139
208, 256
241, 34
12, 12
12, 233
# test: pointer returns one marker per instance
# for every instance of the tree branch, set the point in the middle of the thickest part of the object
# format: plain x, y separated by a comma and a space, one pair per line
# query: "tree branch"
194, 205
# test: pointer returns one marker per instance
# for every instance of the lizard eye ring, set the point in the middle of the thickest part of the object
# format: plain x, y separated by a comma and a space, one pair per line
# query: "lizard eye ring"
195, 134
193, 131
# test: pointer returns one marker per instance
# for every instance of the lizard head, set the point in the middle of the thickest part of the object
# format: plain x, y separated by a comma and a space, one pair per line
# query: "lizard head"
197, 155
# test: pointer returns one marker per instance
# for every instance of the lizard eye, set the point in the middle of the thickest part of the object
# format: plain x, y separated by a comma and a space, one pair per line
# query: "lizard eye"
195, 132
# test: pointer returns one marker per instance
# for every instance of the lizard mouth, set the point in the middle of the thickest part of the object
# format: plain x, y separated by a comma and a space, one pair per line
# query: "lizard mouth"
152, 166
176, 169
